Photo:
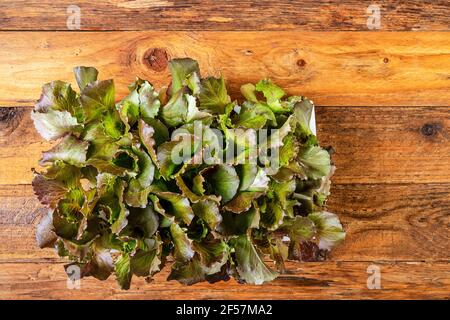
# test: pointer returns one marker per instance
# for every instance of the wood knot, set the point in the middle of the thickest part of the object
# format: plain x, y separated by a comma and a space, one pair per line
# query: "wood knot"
385, 60
10, 118
301, 63
430, 129
156, 59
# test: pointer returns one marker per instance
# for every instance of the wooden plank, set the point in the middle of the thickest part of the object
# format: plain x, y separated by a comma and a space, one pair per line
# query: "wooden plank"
317, 15
373, 145
393, 222
20, 144
325, 280
387, 145
332, 68
383, 222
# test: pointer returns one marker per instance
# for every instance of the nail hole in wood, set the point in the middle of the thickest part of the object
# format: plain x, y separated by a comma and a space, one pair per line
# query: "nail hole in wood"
301, 63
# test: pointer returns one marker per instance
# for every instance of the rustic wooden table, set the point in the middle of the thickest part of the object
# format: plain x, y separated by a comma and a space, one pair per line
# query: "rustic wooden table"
382, 101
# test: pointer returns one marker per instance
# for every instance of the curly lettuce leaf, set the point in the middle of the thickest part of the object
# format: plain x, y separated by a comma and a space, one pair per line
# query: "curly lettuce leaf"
183, 250
209, 212
272, 93
224, 181
70, 150
97, 98
85, 76
213, 95
176, 204
180, 70
181, 172
123, 271
329, 229
253, 116
249, 264
316, 161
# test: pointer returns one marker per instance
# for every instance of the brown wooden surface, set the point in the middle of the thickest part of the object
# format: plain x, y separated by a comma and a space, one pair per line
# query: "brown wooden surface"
382, 102
331, 68
373, 144
316, 15
388, 222
324, 280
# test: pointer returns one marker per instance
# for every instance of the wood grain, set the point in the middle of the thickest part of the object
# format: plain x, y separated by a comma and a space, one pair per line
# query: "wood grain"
20, 144
383, 222
393, 222
325, 280
317, 15
383, 104
335, 69
387, 145
373, 145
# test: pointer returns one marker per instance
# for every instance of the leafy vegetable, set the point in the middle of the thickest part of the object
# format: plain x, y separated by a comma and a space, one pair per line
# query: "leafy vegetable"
185, 172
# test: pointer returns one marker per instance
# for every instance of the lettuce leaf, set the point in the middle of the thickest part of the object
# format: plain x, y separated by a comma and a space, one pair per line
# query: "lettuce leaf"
181, 176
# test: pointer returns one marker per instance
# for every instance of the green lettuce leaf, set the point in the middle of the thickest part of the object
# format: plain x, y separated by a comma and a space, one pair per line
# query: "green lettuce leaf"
194, 113
180, 70
111, 193
329, 229
45, 236
187, 273
272, 215
181, 174
248, 90
139, 187
123, 271
174, 113
176, 204
253, 116
149, 103
272, 93
224, 181
238, 224
54, 124
142, 222
213, 95
85, 76
303, 112
69, 150
174, 156
213, 254
183, 250
146, 261
59, 96
97, 98
301, 228
208, 211
316, 161
242, 202
250, 266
